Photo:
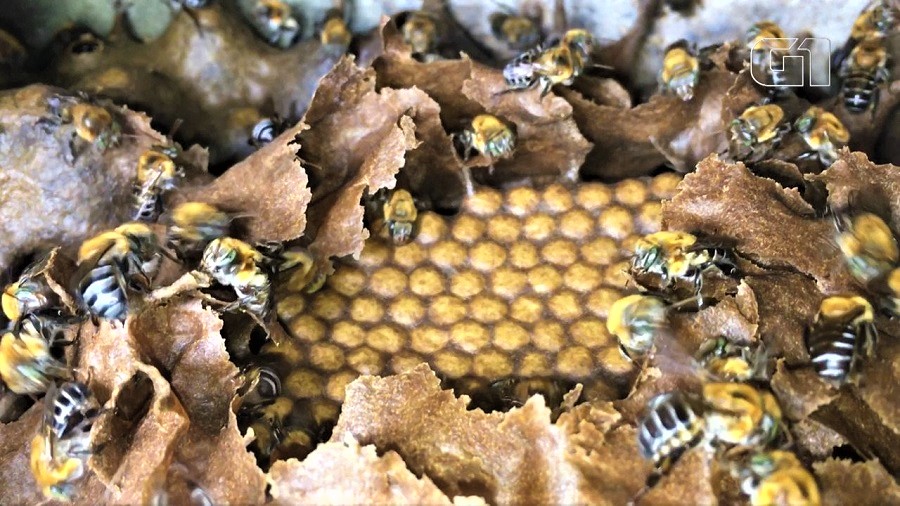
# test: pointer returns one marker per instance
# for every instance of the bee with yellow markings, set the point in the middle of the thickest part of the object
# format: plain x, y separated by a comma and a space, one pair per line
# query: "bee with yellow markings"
842, 333
888, 287
636, 321
877, 17
27, 364
295, 267
261, 385
94, 125
862, 72
234, 263
275, 21
681, 71
740, 414
516, 31
114, 265
545, 67
672, 424
30, 293
59, 450
727, 361
421, 31
756, 132
335, 32
823, 132
194, 225
778, 478
675, 255
867, 244
399, 215
768, 46
157, 172
267, 421
489, 136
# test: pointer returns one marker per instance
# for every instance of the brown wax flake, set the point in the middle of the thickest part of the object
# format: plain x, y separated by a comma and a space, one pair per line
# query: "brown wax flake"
865, 127
636, 141
15, 452
815, 439
863, 483
60, 188
800, 392
691, 480
358, 160
771, 225
788, 302
854, 182
721, 320
510, 457
345, 472
269, 187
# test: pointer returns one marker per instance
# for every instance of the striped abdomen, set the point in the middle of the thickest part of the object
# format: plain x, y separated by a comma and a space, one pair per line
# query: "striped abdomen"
670, 427
835, 350
859, 90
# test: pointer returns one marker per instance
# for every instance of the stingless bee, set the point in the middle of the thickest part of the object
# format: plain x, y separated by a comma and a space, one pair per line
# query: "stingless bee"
420, 30
558, 63
275, 21
489, 136
398, 213
756, 131
266, 130
862, 72
842, 332
823, 132
335, 32
59, 450
672, 424
194, 225
30, 293
740, 414
636, 320
768, 46
94, 125
778, 477
514, 392
867, 244
295, 268
675, 255
888, 287
112, 266
157, 172
27, 364
516, 31
234, 263
727, 361
681, 71
261, 386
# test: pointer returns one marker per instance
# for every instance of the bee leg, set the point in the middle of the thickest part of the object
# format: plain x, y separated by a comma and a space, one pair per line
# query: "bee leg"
546, 85
467, 180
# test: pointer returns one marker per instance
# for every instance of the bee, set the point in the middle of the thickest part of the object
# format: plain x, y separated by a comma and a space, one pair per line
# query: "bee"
157, 172
489, 136
867, 244
842, 332
823, 132
778, 477
399, 214
266, 130
27, 365
862, 72
681, 71
756, 131
234, 263
93, 124
335, 31
30, 293
295, 268
768, 46
420, 31
112, 266
267, 422
674, 422
636, 320
194, 225
727, 361
877, 17
517, 32
59, 450
275, 21
261, 385
739, 414
677, 255
890, 292
511, 393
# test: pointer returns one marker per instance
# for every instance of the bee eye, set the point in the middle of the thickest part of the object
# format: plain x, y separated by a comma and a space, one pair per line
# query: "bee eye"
86, 44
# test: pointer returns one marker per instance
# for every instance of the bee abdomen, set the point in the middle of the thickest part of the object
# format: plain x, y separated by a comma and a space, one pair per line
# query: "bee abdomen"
858, 90
102, 294
833, 351
669, 428
147, 207
723, 259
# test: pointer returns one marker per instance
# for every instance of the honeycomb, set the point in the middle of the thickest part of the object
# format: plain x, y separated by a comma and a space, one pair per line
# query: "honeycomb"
518, 284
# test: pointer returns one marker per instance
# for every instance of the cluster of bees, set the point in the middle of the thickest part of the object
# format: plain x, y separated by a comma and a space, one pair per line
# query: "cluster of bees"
862, 64
734, 414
